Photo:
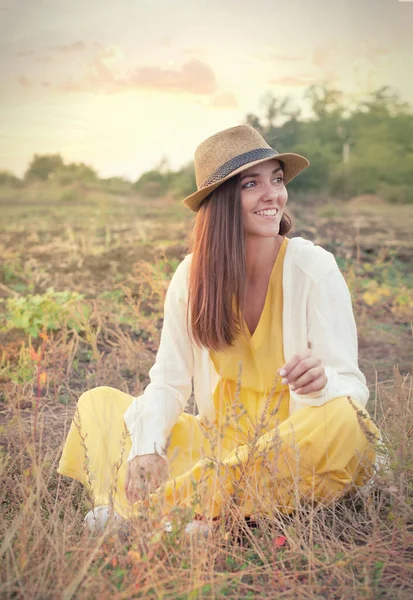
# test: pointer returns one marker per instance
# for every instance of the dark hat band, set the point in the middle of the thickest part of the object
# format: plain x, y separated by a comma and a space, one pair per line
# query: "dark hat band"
236, 162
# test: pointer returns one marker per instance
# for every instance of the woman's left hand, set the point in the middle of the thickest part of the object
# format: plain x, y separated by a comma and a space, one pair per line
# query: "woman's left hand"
304, 373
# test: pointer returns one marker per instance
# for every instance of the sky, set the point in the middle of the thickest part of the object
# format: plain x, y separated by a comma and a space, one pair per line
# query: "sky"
122, 85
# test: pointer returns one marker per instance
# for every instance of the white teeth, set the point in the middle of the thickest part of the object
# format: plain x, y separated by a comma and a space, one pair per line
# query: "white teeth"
267, 213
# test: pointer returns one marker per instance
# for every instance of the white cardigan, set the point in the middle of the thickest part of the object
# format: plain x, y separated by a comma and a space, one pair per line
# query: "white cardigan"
317, 314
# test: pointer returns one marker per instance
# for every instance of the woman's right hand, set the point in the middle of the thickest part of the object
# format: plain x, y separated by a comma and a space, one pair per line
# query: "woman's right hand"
144, 475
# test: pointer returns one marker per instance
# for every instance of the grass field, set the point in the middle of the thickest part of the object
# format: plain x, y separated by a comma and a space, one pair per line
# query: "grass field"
82, 280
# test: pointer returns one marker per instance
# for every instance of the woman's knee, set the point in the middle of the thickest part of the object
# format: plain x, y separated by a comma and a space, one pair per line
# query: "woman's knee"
104, 395
346, 412
97, 392
355, 418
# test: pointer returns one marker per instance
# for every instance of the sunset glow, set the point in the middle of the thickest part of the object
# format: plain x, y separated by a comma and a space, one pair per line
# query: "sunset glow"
121, 85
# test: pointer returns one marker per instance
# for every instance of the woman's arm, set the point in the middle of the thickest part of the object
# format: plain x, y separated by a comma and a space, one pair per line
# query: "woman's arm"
332, 337
151, 416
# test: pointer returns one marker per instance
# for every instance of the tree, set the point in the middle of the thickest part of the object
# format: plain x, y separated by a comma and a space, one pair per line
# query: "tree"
275, 109
254, 121
385, 102
366, 149
43, 165
324, 101
182, 183
9, 179
74, 172
152, 184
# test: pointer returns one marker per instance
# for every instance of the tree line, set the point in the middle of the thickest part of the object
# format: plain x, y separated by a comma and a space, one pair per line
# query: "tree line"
366, 148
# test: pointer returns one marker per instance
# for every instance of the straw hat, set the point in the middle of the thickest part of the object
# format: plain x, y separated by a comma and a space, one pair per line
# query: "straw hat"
230, 152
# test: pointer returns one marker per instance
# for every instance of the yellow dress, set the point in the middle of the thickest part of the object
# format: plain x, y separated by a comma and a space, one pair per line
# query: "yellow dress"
256, 455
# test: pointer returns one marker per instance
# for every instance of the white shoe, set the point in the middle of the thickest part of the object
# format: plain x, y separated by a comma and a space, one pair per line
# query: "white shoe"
97, 519
195, 528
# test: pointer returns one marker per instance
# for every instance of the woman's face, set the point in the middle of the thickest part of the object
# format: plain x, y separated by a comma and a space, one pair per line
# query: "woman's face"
263, 198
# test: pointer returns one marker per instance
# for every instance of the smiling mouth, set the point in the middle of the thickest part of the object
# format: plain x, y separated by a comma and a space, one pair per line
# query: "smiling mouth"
269, 212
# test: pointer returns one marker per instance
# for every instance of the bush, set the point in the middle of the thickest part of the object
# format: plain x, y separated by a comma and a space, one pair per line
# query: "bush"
396, 194
182, 183
152, 184
322, 160
116, 185
42, 166
73, 173
155, 183
9, 179
43, 312
348, 180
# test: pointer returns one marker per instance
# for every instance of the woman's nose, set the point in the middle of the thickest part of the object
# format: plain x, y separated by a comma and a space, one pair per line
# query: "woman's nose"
270, 193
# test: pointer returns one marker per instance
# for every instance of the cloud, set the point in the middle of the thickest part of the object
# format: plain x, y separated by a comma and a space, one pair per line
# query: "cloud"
294, 80
105, 73
382, 50
325, 56
194, 51
108, 55
44, 59
224, 100
24, 81
194, 77
272, 53
321, 58
78, 46
25, 53
69, 48
102, 76
286, 57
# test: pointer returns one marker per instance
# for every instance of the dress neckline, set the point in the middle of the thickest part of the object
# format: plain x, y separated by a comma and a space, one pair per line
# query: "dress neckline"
253, 338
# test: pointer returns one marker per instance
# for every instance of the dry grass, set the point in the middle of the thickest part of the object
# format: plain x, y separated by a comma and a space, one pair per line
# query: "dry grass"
361, 546
121, 255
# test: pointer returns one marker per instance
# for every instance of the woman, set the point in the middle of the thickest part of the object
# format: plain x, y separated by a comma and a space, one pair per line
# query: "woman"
262, 327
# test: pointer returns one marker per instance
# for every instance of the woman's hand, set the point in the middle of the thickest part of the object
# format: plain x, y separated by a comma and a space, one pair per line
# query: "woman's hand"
304, 373
144, 475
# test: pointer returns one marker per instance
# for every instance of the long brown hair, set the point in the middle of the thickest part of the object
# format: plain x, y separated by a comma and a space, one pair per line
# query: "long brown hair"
218, 268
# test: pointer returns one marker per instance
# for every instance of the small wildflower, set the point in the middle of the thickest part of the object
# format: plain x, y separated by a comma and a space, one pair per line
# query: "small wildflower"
134, 556
280, 541
33, 354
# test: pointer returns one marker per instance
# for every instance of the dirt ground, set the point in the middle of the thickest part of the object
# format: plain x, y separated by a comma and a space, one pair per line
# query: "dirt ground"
99, 251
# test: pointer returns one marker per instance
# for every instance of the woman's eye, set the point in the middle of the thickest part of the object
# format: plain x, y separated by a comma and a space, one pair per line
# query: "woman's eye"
247, 186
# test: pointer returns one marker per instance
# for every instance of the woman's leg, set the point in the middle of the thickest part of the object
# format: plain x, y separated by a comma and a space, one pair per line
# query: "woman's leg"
98, 445
317, 454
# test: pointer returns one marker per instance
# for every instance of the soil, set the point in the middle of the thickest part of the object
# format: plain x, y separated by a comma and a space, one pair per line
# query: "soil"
362, 230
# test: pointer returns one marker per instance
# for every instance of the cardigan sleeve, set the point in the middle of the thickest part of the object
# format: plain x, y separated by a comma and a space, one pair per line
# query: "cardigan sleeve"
151, 416
332, 336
